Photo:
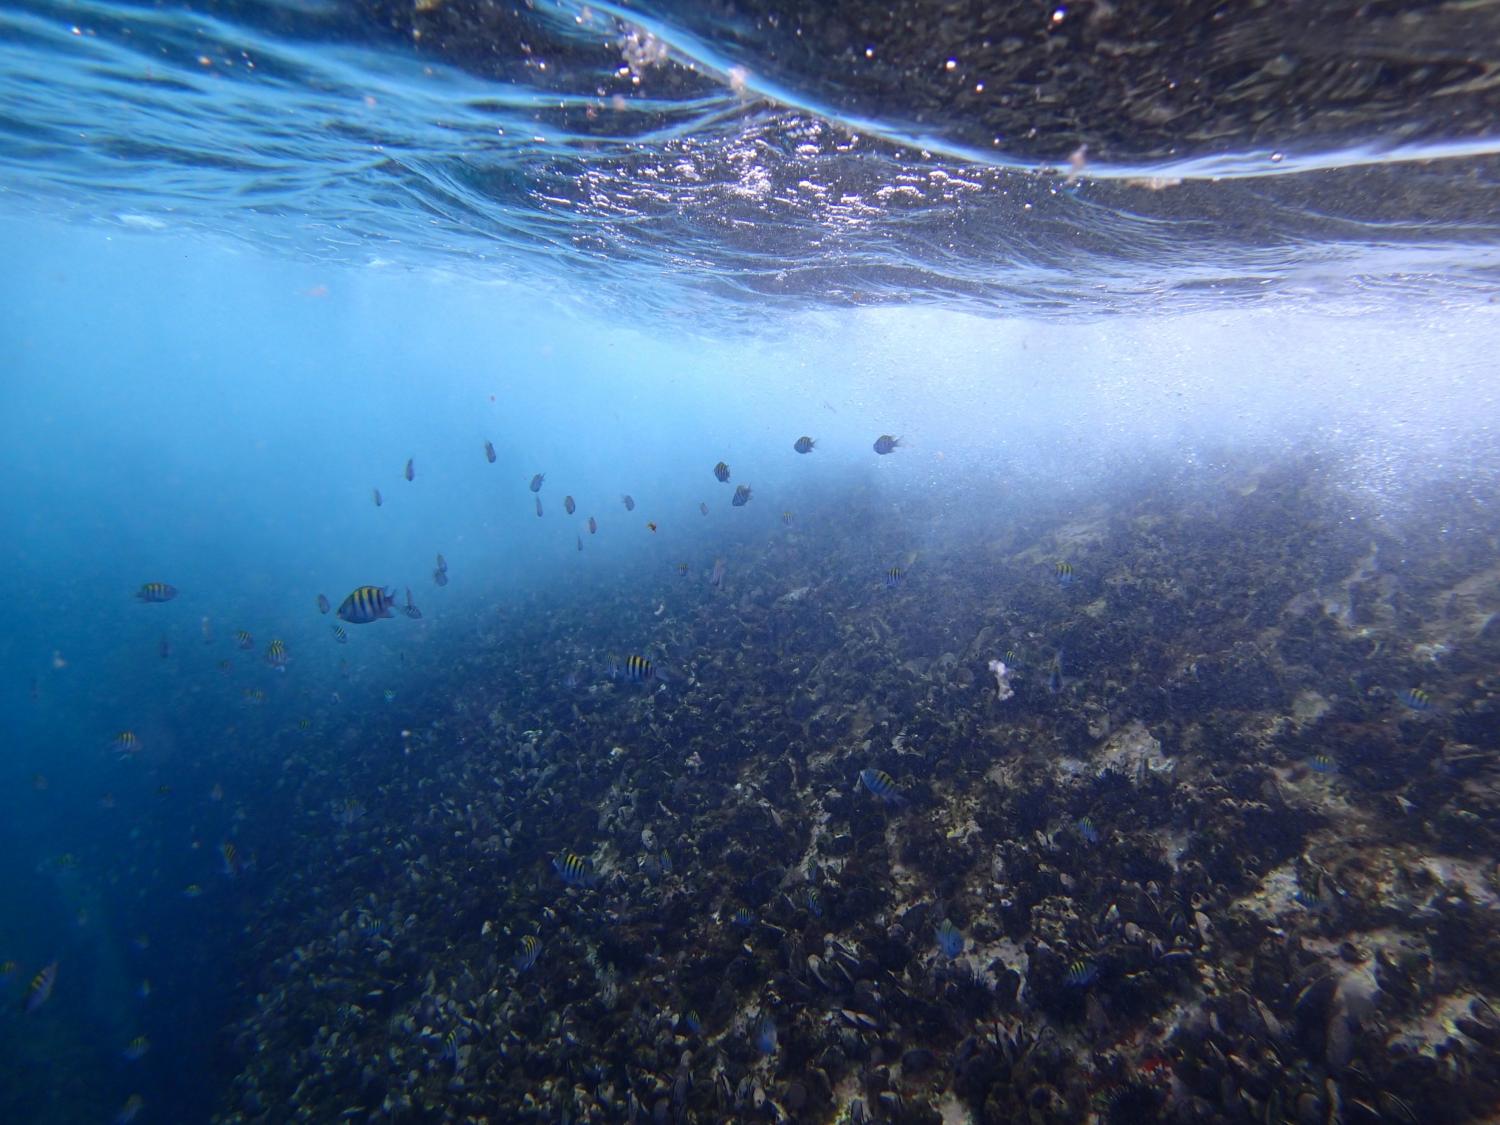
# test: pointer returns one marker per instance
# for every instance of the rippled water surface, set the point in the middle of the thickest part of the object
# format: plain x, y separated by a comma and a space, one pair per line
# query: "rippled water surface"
1117, 157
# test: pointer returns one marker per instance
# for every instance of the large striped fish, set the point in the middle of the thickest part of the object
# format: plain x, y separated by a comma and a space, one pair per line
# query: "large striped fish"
367, 604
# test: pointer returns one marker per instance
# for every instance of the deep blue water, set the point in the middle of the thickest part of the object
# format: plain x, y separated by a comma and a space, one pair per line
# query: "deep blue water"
235, 304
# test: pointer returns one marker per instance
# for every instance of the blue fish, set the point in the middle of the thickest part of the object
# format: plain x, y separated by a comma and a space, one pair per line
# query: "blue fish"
574, 869
536, 482
1322, 763
950, 939
814, 902
721, 472
137, 1049
1087, 830
1081, 974
531, 949
894, 578
636, 669
1064, 574
765, 1036
885, 443
156, 592
694, 1024
741, 496
742, 917
882, 784
804, 445
40, 989
367, 604
1416, 699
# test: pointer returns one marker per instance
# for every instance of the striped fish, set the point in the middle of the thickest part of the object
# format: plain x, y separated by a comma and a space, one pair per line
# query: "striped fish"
366, 604
741, 496
574, 869
340, 634
894, 577
40, 990
126, 742
276, 655
635, 668
156, 592
531, 949
1081, 974
721, 472
1064, 573
882, 784
243, 639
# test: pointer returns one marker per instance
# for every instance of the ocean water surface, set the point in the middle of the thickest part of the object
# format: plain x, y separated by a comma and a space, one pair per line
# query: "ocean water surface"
1095, 717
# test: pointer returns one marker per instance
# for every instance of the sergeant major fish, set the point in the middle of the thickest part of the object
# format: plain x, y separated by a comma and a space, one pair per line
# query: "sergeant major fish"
569, 506
721, 472
885, 443
156, 592
536, 482
804, 445
628, 501
367, 604
410, 609
489, 452
741, 496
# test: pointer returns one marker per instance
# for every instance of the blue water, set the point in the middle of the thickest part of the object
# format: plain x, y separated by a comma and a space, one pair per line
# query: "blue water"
238, 299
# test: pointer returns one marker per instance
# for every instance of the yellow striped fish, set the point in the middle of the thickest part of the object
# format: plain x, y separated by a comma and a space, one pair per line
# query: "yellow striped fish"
276, 655
636, 668
366, 604
126, 742
156, 592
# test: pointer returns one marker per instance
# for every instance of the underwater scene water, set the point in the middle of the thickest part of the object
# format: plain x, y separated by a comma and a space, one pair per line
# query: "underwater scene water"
749, 562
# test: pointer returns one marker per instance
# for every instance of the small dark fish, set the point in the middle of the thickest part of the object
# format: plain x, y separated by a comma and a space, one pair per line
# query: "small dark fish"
703, 507
442, 563
716, 579
1087, 830
950, 939
536, 482
1081, 973
276, 655
580, 542
378, 500
440, 577
593, 525
804, 445
253, 695
489, 452
1322, 763
885, 443
894, 578
1064, 573
126, 742
411, 473
156, 592
323, 605
367, 604
1416, 699
230, 857
765, 1036
880, 783
628, 502
574, 869
130, 1110
721, 471
683, 570
1055, 674
164, 648
531, 949
569, 506
694, 1024
814, 902
40, 989
410, 609
635, 668
741, 496
243, 639
651, 526
136, 1049
742, 917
